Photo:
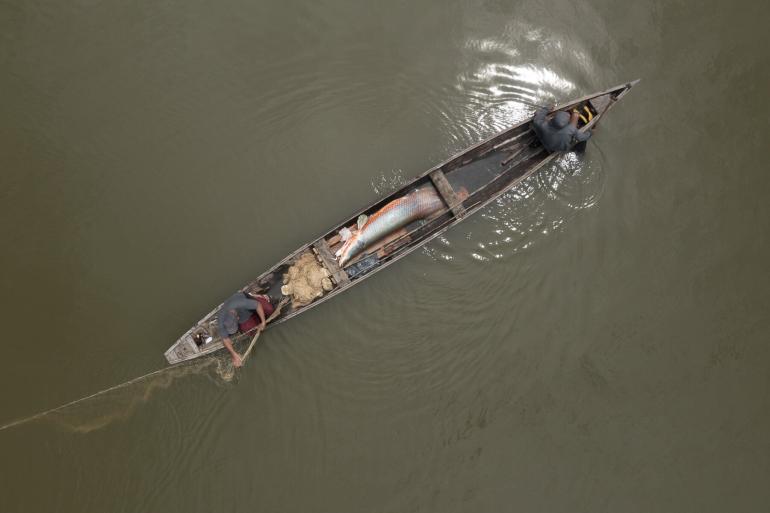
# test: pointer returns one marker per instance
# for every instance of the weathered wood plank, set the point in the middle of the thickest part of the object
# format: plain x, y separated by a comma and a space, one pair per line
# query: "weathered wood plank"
518, 138
339, 275
600, 103
335, 239
395, 245
446, 191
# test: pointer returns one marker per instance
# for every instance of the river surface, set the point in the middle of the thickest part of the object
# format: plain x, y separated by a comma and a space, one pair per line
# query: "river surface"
597, 340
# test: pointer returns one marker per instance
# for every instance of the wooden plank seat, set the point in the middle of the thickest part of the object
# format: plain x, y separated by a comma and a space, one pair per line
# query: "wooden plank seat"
338, 274
447, 193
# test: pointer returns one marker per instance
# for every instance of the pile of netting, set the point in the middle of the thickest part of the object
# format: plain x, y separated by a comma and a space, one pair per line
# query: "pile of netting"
305, 280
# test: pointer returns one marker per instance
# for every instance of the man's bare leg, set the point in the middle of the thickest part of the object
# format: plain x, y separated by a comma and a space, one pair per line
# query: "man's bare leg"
573, 119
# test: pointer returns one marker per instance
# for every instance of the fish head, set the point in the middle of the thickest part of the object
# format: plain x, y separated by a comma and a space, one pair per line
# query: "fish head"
350, 249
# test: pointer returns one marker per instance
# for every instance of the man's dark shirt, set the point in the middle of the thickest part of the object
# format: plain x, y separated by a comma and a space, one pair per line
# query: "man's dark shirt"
237, 309
558, 134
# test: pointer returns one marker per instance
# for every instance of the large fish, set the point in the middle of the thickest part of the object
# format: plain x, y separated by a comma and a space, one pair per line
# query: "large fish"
418, 204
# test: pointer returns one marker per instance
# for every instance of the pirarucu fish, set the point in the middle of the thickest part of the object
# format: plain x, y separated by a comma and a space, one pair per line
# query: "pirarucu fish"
418, 204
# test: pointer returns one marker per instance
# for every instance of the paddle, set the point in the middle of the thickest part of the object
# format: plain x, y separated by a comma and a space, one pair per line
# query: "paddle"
273, 315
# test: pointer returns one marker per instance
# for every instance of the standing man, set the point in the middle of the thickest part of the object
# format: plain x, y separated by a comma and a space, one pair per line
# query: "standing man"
240, 313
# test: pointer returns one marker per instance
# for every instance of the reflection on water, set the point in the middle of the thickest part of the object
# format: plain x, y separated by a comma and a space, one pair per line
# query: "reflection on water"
576, 180
541, 205
501, 87
496, 86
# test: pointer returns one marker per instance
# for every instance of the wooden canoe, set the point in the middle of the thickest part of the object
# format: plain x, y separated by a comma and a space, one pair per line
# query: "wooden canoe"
486, 170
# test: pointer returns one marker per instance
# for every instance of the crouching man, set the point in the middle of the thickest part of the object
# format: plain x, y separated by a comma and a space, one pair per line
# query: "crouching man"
242, 313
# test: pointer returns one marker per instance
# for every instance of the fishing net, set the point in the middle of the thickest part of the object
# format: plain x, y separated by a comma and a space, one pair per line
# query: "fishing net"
305, 281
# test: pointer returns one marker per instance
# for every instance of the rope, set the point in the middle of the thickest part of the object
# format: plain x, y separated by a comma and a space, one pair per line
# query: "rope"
273, 315
72, 403
42, 414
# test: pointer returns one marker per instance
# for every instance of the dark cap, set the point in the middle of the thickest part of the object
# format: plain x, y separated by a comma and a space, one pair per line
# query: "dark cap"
560, 120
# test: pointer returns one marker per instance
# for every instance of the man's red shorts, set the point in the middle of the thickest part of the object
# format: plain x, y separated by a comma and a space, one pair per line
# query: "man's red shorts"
253, 321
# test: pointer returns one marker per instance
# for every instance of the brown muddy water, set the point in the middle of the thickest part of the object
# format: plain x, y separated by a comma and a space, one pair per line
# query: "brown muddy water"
595, 341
